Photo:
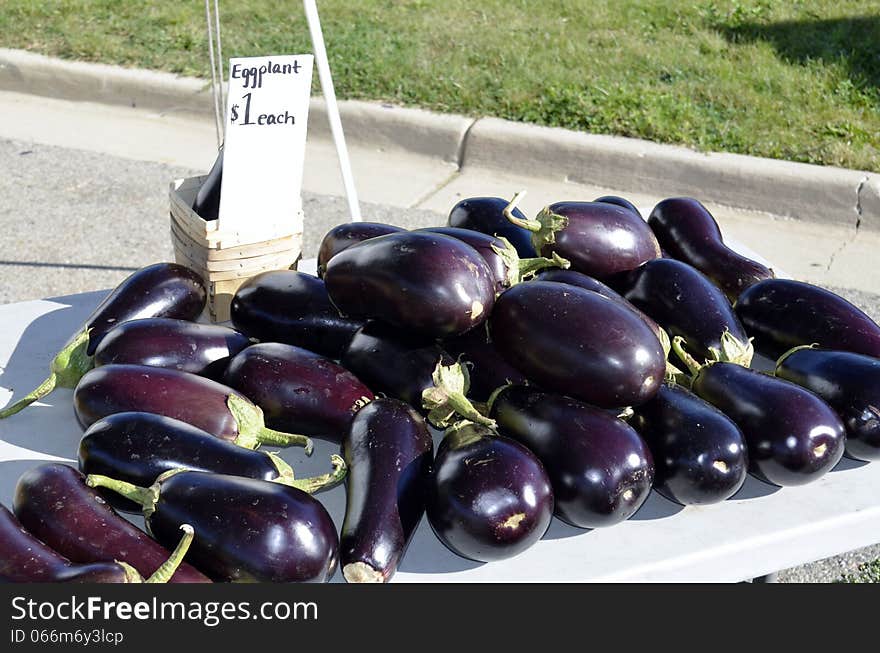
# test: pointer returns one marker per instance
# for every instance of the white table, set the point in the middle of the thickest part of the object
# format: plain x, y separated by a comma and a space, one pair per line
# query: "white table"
761, 530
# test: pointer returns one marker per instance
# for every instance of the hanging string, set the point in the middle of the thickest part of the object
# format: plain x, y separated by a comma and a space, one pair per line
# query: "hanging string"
221, 76
219, 113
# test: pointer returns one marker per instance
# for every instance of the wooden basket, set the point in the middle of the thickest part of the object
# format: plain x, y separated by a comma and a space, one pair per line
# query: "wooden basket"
227, 257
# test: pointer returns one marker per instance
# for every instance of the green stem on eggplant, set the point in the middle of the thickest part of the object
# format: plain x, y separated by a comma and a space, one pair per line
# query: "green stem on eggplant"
529, 267
731, 351
167, 569
788, 353
132, 575
543, 228
448, 397
464, 432
322, 482
252, 429
145, 497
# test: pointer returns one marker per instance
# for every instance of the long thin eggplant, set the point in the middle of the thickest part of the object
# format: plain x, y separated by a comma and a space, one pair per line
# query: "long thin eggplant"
850, 383
389, 452
173, 344
343, 236
487, 369
687, 231
782, 314
297, 389
413, 369
159, 290
699, 454
431, 284
486, 215
578, 343
489, 497
207, 201
600, 469
292, 308
249, 530
206, 404
55, 505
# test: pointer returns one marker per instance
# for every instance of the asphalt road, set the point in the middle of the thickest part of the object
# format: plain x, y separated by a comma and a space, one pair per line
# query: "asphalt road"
74, 221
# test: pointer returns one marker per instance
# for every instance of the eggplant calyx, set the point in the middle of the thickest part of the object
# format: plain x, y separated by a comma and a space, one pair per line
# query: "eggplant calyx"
785, 355
529, 267
145, 497
731, 351
447, 397
252, 429
675, 376
317, 483
166, 570
361, 572
284, 470
551, 223
465, 432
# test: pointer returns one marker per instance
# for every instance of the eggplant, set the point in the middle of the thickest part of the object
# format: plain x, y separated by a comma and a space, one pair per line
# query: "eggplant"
389, 452
486, 215
619, 201
207, 202
849, 383
487, 369
249, 530
686, 304
432, 284
489, 497
159, 290
687, 231
298, 389
24, 559
173, 344
578, 343
782, 314
793, 437
55, 505
206, 404
507, 267
292, 308
413, 369
600, 469
700, 455
343, 236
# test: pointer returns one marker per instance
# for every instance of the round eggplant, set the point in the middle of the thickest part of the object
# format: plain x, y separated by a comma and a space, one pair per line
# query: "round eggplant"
850, 383
793, 437
389, 452
578, 343
343, 236
619, 201
487, 369
699, 453
428, 283
486, 215
600, 469
782, 314
292, 308
489, 497
206, 404
159, 290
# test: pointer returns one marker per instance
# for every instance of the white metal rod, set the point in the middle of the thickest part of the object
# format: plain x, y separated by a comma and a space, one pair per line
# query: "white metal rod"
324, 76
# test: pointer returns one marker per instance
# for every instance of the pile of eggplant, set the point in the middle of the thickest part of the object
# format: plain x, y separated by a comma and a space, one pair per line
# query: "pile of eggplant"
488, 374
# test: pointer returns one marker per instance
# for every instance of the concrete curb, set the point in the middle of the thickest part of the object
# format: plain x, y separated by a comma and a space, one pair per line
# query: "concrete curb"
813, 193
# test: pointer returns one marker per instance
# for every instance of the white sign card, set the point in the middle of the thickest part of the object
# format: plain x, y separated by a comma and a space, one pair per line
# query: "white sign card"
263, 152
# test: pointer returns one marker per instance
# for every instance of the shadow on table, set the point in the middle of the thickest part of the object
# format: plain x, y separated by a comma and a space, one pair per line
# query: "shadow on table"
753, 489
428, 555
848, 463
656, 507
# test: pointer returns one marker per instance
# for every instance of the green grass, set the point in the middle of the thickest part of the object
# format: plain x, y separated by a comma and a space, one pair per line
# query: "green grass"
795, 80
868, 572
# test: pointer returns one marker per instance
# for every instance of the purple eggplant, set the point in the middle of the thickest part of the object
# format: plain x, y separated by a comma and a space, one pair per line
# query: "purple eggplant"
159, 290
850, 384
600, 469
782, 314
489, 497
207, 202
206, 404
687, 231
389, 452
292, 308
432, 284
793, 436
699, 453
486, 215
578, 343
343, 236
487, 369
619, 201
173, 344
53, 502
413, 369
298, 389
249, 530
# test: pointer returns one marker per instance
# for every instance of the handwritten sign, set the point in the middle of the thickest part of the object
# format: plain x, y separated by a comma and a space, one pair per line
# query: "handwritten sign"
266, 119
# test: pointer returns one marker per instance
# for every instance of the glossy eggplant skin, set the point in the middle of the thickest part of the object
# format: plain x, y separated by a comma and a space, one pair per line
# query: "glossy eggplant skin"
389, 452
343, 236
54, 504
486, 247
850, 384
298, 390
578, 343
487, 368
207, 202
619, 201
687, 231
782, 314
699, 454
684, 302
486, 215
793, 437
489, 497
406, 279
173, 344
292, 308
249, 530
24, 559
600, 469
